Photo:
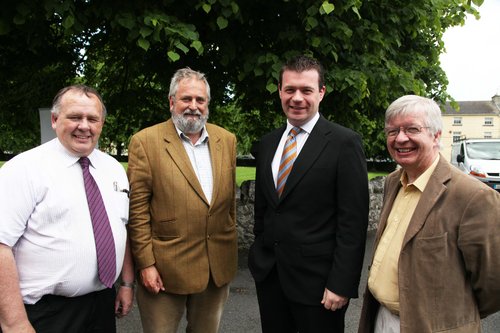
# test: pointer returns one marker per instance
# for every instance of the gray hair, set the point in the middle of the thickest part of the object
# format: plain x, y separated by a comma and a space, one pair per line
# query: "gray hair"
82, 89
187, 73
412, 104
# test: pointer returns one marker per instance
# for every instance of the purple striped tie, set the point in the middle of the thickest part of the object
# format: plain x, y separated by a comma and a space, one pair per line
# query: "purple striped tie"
287, 159
104, 242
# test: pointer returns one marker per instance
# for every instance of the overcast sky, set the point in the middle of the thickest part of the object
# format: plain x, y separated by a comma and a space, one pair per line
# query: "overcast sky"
472, 60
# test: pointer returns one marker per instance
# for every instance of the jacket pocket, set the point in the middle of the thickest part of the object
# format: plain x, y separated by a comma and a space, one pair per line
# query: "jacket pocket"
166, 229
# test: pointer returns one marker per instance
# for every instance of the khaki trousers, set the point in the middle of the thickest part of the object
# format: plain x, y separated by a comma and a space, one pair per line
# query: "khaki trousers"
162, 313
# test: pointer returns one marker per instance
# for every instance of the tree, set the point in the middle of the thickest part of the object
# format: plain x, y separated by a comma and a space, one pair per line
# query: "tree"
373, 51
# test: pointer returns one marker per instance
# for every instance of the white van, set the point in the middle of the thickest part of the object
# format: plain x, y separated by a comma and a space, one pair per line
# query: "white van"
479, 158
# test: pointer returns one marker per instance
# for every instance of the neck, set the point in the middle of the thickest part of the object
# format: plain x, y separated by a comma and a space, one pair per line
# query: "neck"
413, 173
194, 137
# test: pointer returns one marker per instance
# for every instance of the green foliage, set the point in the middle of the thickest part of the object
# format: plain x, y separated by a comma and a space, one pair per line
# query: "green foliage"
373, 52
248, 126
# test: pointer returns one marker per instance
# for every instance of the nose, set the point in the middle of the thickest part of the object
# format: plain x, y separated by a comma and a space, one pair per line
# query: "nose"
83, 124
297, 96
401, 135
193, 105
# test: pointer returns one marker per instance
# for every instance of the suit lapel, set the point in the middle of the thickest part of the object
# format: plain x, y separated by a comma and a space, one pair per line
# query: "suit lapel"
309, 153
432, 192
392, 188
177, 152
216, 153
268, 156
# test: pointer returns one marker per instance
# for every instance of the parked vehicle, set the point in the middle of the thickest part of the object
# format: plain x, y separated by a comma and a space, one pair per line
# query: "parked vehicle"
479, 158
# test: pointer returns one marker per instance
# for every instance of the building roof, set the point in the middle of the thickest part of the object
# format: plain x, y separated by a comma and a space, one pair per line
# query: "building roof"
472, 108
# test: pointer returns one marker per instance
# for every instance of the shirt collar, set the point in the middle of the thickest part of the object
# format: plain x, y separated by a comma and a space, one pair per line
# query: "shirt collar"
68, 158
307, 127
203, 138
423, 179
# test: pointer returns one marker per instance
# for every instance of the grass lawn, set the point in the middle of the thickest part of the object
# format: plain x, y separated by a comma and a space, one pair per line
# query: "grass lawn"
248, 173
244, 173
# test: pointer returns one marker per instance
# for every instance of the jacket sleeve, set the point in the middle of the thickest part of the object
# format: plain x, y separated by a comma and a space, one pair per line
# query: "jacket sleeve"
479, 242
352, 219
139, 226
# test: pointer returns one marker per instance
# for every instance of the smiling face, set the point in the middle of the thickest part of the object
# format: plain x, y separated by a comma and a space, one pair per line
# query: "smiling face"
189, 106
79, 122
300, 95
414, 152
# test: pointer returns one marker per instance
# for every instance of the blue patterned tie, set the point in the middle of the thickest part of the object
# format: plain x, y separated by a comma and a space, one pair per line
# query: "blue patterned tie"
287, 159
104, 242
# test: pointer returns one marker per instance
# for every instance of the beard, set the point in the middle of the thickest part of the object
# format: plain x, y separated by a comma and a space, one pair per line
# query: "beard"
187, 124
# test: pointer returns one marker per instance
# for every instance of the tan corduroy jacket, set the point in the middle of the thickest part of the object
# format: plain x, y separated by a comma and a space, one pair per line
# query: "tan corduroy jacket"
171, 223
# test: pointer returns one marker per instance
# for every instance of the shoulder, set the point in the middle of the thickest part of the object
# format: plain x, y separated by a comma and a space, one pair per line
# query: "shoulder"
332, 129
393, 177
30, 158
153, 130
460, 187
213, 129
465, 183
273, 135
108, 161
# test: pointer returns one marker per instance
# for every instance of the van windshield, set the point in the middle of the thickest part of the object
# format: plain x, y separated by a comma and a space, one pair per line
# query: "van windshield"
484, 150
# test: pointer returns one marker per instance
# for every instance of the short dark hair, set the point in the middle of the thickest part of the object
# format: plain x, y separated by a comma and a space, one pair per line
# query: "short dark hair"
304, 63
83, 89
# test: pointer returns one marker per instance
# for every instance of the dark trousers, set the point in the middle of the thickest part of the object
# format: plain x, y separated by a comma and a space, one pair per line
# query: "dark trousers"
91, 313
280, 315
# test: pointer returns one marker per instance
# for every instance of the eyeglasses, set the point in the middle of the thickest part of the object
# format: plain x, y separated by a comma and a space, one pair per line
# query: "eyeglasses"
408, 131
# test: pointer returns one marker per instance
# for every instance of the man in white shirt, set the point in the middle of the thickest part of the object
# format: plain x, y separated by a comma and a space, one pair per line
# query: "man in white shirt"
50, 281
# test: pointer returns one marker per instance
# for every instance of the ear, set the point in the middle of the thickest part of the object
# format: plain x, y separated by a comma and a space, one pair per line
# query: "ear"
322, 92
53, 119
171, 102
437, 137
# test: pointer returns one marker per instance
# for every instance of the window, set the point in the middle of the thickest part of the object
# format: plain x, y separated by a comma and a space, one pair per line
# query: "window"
488, 121
487, 135
456, 136
457, 121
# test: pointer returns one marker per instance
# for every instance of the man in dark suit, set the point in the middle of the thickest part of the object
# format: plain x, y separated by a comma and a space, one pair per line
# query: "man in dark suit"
310, 219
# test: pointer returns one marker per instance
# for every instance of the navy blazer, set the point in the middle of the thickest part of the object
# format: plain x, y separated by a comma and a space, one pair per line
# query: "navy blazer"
315, 232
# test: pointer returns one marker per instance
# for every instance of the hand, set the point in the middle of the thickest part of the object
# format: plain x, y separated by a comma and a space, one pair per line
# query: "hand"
123, 301
332, 301
19, 327
151, 279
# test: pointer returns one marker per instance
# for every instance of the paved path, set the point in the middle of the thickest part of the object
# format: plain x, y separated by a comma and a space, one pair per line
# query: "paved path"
241, 314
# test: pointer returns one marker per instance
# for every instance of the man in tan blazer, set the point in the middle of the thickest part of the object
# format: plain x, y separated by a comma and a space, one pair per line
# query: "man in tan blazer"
436, 265
182, 212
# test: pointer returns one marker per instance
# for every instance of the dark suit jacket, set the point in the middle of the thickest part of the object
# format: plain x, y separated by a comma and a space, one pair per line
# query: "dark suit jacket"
449, 267
315, 233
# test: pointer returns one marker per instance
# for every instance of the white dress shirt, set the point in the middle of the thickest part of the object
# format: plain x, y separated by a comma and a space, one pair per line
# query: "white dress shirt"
300, 139
199, 155
46, 219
